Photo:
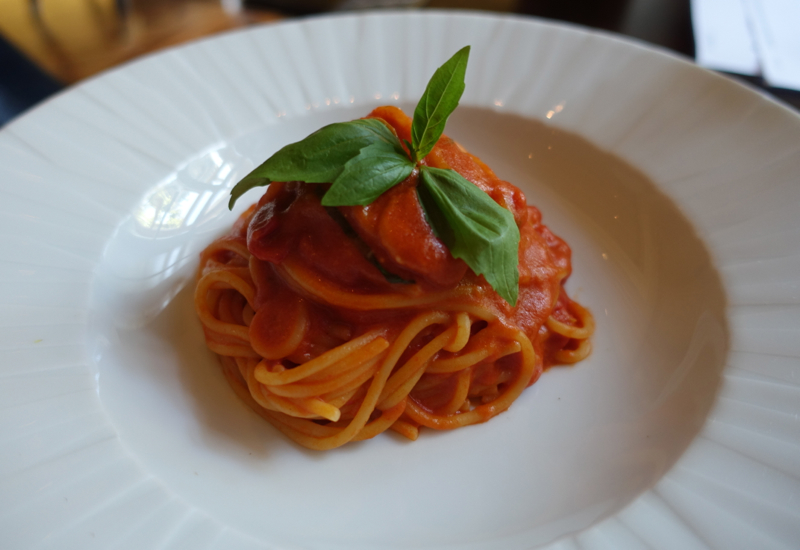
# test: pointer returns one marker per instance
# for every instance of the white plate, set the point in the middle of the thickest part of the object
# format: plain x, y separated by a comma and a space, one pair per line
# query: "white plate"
117, 429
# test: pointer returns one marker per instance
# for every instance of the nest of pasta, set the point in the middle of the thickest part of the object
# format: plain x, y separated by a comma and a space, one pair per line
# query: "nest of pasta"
338, 323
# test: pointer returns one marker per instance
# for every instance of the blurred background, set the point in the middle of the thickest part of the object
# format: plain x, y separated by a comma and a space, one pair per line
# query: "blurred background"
46, 45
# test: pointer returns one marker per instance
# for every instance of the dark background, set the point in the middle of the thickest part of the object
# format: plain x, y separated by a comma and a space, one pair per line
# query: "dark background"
47, 45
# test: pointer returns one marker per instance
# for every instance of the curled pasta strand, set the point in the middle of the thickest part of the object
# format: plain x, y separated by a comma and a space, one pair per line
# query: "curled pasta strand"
358, 350
460, 362
582, 332
463, 379
571, 356
329, 293
401, 382
216, 280
406, 429
462, 335
360, 373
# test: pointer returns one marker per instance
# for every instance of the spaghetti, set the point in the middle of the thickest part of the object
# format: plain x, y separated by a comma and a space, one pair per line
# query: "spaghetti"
336, 324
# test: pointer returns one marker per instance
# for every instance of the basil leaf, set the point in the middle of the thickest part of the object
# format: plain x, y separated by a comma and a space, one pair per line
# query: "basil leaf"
320, 157
376, 169
437, 103
246, 184
473, 227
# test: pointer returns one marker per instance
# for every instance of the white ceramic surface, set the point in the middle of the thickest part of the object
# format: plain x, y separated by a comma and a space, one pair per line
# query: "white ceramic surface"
681, 431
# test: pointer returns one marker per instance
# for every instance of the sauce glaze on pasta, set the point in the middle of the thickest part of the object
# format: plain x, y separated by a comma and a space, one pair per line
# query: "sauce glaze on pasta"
311, 334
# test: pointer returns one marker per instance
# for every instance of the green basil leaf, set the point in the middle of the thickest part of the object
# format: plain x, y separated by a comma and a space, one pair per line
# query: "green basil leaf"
246, 184
320, 157
374, 170
437, 103
473, 227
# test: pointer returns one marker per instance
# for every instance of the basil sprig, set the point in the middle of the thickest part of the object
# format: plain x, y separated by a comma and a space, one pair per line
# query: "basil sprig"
364, 158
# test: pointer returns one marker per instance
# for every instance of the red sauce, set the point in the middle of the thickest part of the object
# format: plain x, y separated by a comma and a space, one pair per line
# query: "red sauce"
343, 245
